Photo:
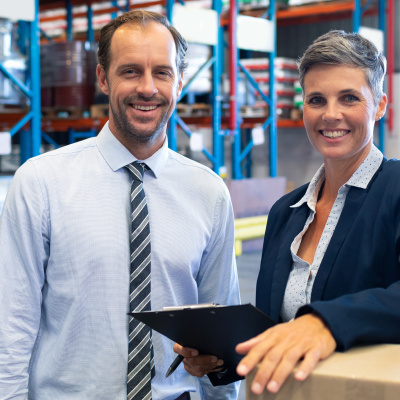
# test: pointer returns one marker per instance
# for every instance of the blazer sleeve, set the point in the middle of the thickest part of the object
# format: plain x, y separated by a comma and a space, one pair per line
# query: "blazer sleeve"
370, 314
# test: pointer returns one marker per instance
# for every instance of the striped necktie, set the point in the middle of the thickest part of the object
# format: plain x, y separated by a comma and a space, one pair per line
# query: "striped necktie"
141, 357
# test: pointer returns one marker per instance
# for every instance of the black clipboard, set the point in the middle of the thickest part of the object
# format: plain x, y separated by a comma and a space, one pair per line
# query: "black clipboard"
214, 330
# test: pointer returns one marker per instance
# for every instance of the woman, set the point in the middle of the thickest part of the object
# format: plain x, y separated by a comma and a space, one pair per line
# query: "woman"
330, 267
331, 250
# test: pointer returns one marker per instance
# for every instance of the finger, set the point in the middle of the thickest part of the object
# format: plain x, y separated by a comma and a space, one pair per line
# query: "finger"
266, 370
283, 369
185, 351
200, 369
253, 357
310, 361
201, 360
244, 347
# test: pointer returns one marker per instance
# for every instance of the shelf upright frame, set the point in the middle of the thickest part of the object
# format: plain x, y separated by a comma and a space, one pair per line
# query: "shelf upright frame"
357, 14
34, 67
30, 141
69, 18
234, 122
238, 155
172, 125
215, 62
382, 27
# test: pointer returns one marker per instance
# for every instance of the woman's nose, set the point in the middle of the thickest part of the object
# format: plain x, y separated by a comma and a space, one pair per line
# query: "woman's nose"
332, 112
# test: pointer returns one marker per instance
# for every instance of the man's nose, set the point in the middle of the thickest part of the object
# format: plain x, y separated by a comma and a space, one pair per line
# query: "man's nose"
147, 86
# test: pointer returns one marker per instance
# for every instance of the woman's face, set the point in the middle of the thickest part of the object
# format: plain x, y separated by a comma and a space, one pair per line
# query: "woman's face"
339, 111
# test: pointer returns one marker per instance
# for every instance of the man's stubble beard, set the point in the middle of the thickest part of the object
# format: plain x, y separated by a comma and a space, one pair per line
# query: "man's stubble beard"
131, 132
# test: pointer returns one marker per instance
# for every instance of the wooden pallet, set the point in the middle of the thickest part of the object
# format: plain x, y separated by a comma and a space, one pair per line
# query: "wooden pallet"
99, 111
65, 112
253, 112
193, 110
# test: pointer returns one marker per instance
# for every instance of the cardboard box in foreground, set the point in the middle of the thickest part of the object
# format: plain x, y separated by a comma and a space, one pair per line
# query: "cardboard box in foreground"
365, 373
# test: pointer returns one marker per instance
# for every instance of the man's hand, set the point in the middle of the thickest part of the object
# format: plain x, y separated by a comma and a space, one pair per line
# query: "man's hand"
195, 364
279, 348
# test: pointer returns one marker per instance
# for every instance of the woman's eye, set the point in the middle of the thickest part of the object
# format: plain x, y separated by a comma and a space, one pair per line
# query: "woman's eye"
316, 100
163, 73
350, 97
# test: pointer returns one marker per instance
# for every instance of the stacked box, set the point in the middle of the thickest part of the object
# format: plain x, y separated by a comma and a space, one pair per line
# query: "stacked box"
286, 74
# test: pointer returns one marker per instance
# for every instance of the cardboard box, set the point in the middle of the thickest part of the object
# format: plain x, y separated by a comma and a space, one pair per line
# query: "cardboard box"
364, 373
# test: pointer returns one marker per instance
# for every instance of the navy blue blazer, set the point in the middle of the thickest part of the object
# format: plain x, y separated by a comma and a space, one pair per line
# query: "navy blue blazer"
357, 287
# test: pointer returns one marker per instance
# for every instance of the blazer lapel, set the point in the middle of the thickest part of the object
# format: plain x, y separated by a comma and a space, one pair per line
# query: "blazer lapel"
354, 201
284, 260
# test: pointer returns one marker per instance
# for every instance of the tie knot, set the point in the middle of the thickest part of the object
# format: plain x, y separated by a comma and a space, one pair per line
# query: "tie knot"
137, 170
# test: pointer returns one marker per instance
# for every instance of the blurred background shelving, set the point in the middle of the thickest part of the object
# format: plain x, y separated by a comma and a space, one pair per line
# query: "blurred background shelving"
226, 118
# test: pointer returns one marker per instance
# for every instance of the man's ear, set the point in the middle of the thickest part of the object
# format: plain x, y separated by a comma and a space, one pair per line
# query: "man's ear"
101, 77
180, 84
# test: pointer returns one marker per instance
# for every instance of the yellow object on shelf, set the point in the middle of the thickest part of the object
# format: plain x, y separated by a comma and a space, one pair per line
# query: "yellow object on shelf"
247, 229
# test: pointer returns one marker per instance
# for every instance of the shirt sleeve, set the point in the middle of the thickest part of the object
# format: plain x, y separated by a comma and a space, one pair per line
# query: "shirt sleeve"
24, 251
218, 280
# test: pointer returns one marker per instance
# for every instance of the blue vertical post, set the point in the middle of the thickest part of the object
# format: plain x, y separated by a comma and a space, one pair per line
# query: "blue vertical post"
171, 133
114, 14
68, 7
234, 125
90, 31
23, 33
25, 144
216, 96
382, 27
273, 139
34, 66
357, 16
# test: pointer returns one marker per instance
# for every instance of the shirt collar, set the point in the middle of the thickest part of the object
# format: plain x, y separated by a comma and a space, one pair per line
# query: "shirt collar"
117, 155
361, 177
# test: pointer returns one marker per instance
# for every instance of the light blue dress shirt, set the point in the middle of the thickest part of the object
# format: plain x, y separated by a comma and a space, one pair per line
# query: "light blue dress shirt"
302, 276
64, 268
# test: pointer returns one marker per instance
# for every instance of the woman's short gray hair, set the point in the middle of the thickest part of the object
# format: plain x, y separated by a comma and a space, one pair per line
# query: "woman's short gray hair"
340, 48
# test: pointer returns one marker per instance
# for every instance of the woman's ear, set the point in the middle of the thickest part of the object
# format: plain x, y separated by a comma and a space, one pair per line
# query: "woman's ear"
381, 109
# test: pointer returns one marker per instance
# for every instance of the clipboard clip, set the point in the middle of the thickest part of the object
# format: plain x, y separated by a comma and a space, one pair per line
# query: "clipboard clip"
191, 306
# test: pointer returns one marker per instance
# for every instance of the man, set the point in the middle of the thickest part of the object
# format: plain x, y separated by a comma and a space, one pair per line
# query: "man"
66, 260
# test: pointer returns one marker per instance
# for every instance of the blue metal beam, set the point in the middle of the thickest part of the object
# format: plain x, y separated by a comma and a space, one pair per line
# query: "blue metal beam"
16, 81
273, 137
188, 132
357, 16
19, 125
254, 83
34, 68
68, 7
90, 31
206, 65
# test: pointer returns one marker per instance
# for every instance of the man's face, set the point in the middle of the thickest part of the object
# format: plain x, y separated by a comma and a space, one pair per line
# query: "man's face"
142, 82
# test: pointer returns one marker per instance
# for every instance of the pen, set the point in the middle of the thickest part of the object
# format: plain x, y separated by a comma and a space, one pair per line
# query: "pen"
174, 365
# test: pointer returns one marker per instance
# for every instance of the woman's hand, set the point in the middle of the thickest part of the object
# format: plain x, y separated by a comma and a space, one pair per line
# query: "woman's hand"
195, 364
279, 348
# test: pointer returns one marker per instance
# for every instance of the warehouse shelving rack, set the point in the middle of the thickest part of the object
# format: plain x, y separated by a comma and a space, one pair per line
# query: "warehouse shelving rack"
315, 12
241, 150
29, 140
355, 10
221, 126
